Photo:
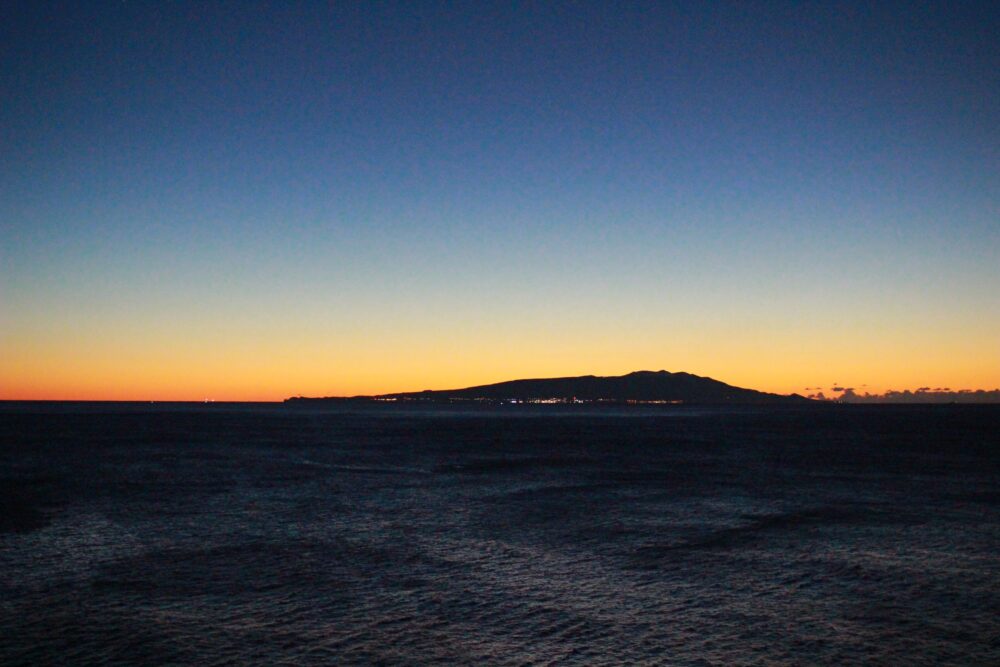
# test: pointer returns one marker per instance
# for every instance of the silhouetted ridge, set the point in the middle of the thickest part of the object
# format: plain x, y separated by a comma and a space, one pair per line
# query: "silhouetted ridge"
637, 387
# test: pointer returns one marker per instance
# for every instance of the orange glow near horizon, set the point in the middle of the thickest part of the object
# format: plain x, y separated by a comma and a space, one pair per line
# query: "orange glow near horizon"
110, 368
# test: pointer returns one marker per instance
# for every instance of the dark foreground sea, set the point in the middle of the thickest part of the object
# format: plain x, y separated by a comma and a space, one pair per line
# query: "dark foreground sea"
229, 534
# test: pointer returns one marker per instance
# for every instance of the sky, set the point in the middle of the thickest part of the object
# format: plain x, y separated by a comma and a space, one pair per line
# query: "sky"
250, 200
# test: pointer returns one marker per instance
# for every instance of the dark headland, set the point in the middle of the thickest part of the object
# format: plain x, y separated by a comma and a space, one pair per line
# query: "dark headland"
640, 387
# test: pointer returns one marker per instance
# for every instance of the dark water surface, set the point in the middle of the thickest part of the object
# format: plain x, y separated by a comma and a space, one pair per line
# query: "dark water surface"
228, 534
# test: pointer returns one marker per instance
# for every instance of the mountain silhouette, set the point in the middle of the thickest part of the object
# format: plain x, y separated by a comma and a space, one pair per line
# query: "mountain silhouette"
637, 387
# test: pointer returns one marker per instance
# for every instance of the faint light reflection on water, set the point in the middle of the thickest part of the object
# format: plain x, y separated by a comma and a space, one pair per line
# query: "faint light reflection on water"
262, 534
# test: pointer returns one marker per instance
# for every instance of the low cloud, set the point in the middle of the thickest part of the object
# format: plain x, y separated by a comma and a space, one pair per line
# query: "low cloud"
919, 395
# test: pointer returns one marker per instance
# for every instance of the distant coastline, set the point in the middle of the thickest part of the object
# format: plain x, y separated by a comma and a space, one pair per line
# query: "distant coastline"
638, 388
653, 388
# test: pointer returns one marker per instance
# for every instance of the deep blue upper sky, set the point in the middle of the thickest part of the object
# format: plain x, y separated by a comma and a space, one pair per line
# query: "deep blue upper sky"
815, 168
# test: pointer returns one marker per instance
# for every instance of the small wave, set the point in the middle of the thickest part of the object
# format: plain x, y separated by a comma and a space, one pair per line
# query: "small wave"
729, 537
373, 470
488, 465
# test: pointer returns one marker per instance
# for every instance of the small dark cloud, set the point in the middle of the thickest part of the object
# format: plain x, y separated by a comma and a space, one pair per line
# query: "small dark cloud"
836, 389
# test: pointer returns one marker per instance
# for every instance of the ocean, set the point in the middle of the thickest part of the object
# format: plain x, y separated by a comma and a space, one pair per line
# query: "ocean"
224, 534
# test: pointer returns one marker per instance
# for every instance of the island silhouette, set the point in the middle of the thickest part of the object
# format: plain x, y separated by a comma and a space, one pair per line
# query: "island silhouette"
639, 387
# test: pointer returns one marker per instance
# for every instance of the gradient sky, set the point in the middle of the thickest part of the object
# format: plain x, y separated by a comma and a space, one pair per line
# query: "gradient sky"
247, 201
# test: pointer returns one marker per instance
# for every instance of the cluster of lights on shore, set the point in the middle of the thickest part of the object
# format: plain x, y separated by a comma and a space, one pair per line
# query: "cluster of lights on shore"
524, 401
